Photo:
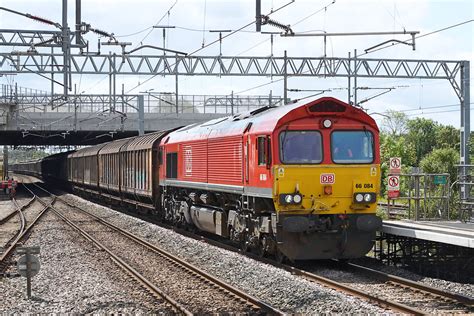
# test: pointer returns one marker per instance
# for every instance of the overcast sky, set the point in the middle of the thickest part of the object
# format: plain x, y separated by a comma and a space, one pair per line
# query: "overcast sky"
131, 21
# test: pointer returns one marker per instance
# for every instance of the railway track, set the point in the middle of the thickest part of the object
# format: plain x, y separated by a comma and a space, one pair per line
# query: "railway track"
12, 225
195, 290
404, 296
401, 295
25, 224
396, 210
441, 301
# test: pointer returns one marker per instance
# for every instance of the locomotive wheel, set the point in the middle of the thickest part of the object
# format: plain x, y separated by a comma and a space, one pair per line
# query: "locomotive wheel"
261, 251
262, 247
279, 256
244, 245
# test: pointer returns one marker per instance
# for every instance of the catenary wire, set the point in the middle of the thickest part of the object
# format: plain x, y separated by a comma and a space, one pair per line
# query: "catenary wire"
419, 36
212, 43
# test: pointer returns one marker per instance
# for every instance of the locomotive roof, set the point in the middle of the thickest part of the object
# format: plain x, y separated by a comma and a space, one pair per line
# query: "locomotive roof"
267, 119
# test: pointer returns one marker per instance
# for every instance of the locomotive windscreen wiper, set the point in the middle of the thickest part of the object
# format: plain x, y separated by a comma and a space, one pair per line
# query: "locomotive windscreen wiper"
283, 144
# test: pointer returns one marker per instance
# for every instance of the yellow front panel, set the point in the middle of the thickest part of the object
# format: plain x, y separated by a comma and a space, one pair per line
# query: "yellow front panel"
309, 180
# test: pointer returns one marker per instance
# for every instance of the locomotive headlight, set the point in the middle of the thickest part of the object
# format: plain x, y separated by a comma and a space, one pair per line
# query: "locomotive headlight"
359, 197
286, 199
327, 123
297, 198
367, 198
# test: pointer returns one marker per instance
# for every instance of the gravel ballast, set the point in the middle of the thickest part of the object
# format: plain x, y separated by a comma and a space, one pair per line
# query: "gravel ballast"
74, 278
454, 287
78, 278
191, 291
278, 288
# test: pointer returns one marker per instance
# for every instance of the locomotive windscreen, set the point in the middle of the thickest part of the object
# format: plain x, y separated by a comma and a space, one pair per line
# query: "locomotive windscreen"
300, 147
352, 147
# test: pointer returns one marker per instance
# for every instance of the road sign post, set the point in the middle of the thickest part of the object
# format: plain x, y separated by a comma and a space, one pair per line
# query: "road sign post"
395, 165
393, 187
28, 265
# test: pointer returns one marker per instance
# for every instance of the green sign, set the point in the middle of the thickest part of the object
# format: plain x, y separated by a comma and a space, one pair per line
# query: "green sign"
439, 179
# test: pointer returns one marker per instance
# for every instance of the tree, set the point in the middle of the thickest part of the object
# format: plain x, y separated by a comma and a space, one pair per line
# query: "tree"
393, 146
441, 160
422, 135
395, 123
397, 147
447, 137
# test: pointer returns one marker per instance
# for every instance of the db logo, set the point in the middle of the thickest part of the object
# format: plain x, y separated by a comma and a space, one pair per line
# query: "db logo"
327, 178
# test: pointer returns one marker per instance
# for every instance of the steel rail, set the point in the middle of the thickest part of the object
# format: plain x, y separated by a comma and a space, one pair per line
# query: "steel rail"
314, 278
12, 247
242, 295
22, 222
319, 279
351, 290
13, 213
236, 292
122, 264
468, 301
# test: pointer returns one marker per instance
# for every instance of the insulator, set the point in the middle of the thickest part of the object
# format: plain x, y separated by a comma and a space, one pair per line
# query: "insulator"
100, 32
40, 19
267, 20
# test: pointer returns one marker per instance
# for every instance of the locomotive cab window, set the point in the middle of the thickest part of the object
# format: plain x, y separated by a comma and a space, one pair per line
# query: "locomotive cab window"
264, 151
355, 147
172, 165
301, 147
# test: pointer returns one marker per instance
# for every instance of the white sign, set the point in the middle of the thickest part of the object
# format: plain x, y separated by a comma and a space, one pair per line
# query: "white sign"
394, 183
188, 161
327, 178
395, 164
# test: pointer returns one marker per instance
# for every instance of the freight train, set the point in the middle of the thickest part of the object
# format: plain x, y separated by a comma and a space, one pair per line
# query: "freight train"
298, 181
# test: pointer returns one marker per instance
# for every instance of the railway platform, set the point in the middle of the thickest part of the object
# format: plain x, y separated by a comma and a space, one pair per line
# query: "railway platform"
447, 232
443, 249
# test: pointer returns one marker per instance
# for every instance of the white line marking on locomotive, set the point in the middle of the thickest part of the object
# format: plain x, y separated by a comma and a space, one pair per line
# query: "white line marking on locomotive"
188, 160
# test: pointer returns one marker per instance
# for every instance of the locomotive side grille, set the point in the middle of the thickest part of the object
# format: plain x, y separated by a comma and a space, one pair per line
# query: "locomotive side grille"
327, 106
225, 160
194, 158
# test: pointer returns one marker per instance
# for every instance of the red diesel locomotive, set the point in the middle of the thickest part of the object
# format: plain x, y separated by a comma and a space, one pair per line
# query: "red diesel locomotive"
297, 181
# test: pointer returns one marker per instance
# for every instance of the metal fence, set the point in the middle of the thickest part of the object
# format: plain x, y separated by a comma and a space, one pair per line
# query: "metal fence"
424, 196
466, 186
32, 100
